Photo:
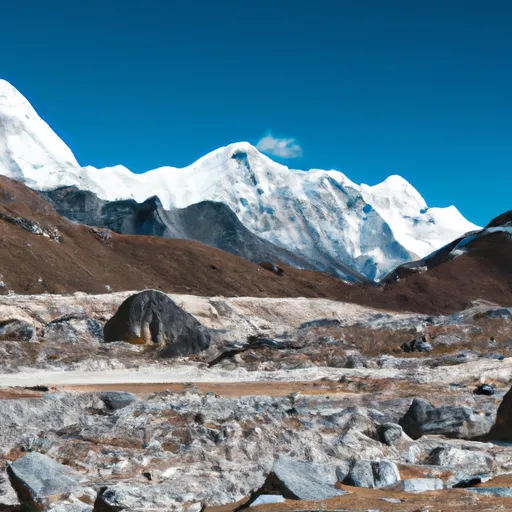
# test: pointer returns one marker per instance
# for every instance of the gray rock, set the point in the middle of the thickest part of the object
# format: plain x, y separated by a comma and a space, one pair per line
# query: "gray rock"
343, 470
395, 501
499, 313
385, 473
265, 499
373, 474
301, 480
76, 506
472, 462
423, 418
115, 400
36, 478
361, 475
502, 492
390, 433
151, 317
421, 345
16, 330
420, 484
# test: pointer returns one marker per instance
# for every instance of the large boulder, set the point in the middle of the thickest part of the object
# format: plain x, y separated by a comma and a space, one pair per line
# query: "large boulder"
462, 422
502, 428
301, 480
152, 318
38, 480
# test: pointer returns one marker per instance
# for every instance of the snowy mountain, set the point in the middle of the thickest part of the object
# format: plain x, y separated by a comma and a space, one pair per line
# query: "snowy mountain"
322, 216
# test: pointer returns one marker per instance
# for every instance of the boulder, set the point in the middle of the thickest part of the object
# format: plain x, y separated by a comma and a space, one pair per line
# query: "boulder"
502, 428
485, 389
462, 422
152, 318
390, 433
16, 330
115, 400
420, 485
372, 474
300, 480
361, 475
39, 480
271, 267
471, 462
420, 345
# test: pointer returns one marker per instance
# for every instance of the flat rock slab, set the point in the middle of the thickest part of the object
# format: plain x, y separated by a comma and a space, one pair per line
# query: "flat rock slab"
504, 492
420, 484
301, 480
36, 478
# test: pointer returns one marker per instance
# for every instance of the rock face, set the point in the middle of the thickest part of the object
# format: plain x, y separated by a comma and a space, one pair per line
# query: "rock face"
209, 222
300, 480
502, 428
151, 317
423, 418
37, 480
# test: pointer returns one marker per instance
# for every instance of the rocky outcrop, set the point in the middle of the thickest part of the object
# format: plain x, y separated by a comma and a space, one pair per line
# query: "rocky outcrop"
209, 222
423, 418
152, 318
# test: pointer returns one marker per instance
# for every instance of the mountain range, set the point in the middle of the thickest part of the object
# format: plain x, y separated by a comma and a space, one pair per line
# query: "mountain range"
234, 198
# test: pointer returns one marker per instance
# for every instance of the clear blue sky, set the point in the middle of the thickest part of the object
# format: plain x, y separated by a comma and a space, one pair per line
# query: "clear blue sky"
413, 87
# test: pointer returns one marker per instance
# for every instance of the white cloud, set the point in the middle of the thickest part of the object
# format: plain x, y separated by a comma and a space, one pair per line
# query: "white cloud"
282, 148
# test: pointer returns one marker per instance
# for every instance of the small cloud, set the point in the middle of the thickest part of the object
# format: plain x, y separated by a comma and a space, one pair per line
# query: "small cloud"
280, 147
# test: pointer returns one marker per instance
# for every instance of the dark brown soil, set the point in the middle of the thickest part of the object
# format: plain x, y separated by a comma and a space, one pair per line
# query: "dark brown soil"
98, 261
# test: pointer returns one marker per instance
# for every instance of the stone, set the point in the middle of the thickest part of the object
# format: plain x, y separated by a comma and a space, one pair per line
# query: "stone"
343, 470
300, 480
485, 389
152, 318
420, 484
502, 428
385, 473
473, 462
423, 418
75, 506
115, 400
499, 313
395, 501
502, 492
38, 479
16, 330
372, 474
421, 345
390, 433
361, 475
265, 499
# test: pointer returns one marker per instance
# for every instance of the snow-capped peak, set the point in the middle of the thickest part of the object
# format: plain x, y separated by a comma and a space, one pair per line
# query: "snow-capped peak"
321, 215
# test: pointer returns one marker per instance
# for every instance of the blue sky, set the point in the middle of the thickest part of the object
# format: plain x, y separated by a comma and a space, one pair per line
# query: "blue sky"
417, 88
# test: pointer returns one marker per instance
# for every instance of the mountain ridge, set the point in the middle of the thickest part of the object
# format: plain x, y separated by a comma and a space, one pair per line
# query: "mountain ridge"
317, 214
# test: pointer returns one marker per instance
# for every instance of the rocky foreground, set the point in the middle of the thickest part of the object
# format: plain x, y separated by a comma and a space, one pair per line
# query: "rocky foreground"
302, 404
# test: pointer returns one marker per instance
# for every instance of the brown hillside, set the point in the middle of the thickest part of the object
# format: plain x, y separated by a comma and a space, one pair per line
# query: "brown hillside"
79, 258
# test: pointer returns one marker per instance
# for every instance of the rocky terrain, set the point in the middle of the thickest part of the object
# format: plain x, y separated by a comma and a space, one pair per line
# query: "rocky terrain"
46, 253
209, 222
309, 404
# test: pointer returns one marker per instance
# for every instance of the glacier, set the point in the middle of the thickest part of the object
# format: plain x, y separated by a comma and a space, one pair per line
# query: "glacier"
321, 215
